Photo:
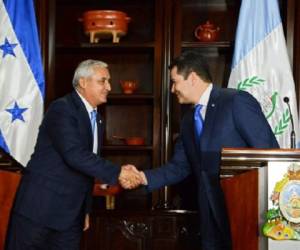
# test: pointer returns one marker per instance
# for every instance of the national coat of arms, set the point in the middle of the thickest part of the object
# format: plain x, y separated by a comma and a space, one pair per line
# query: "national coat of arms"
283, 219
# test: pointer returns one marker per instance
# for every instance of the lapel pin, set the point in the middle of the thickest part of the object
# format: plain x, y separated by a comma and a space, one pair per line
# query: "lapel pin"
213, 105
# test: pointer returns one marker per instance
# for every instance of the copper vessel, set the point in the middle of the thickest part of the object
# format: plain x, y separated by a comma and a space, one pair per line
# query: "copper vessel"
129, 86
105, 24
133, 140
207, 32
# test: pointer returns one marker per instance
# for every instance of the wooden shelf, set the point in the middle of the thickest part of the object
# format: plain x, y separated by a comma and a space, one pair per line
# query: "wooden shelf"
218, 44
95, 3
127, 148
107, 45
130, 96
131, 99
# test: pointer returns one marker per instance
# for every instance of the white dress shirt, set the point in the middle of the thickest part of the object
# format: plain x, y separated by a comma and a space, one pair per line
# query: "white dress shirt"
204, 100
89, 109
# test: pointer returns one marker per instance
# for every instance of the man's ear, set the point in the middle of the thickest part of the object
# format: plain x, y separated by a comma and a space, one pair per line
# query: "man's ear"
194, 78
82, 83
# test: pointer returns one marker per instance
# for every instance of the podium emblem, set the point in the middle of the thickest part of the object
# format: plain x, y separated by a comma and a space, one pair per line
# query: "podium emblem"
289, 201
283, 219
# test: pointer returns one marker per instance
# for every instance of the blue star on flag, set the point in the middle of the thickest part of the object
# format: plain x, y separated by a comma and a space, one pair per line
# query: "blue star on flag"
8, 48
16, 112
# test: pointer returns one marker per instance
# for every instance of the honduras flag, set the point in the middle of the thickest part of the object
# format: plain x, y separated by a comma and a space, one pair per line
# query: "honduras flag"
22, 84
261, 65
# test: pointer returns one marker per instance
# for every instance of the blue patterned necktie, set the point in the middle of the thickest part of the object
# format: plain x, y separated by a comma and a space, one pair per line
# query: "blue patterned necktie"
198, 123
93, 120
94, 130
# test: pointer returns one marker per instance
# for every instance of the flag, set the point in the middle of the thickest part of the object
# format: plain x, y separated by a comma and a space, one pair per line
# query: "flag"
22, 84
261, 66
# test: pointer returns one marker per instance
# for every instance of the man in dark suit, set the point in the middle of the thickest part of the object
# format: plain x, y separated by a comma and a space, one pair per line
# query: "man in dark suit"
54, 198
230, 118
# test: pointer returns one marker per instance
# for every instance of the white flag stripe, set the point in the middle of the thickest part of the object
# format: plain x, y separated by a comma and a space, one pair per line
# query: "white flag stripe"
17, 84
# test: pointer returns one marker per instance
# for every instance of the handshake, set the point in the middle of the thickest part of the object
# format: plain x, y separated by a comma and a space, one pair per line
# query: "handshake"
131, 178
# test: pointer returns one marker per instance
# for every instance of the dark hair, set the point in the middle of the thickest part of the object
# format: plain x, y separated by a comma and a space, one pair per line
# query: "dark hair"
191, 61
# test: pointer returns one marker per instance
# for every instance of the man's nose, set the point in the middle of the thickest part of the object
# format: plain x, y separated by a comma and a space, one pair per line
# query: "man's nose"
108, 87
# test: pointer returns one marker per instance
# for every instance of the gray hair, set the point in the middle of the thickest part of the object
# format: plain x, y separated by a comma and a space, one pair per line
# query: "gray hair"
86, 69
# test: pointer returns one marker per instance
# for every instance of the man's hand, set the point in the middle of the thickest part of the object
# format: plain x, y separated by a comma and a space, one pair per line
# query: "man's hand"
130, 177
86, 222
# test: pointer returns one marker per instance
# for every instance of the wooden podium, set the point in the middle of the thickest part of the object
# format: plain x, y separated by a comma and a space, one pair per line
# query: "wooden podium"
244, 181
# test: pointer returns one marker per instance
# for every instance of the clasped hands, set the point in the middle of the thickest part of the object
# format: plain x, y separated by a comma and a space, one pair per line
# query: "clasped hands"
131, 178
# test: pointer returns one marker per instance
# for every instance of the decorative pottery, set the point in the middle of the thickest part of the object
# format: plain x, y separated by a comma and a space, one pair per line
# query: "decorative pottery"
133, 140
105, 24
207, 32
109, 191
103, 189
129, 86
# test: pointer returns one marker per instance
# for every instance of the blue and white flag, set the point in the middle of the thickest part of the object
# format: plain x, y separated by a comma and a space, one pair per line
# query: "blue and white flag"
261, 65
22, 84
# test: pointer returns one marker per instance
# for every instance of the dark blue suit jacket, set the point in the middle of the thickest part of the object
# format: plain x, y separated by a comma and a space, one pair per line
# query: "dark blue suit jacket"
56, 187
233, 119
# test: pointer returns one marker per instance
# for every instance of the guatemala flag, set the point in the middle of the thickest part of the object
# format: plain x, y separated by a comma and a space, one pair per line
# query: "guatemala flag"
261, 66
22, 84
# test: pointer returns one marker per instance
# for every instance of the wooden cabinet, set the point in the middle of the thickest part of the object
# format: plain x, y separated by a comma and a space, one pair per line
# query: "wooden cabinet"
142, 230
136, 57
222, 14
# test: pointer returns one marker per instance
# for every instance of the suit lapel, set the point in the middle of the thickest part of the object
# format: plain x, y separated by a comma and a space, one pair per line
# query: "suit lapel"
209, 123
83, 117
209, 118
100, 128
189, 128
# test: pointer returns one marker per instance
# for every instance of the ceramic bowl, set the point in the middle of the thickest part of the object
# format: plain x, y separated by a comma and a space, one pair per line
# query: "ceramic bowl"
105, 24
129, 86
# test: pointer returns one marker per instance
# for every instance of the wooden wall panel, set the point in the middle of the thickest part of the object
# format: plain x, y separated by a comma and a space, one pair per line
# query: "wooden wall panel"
9, 182
241, 194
